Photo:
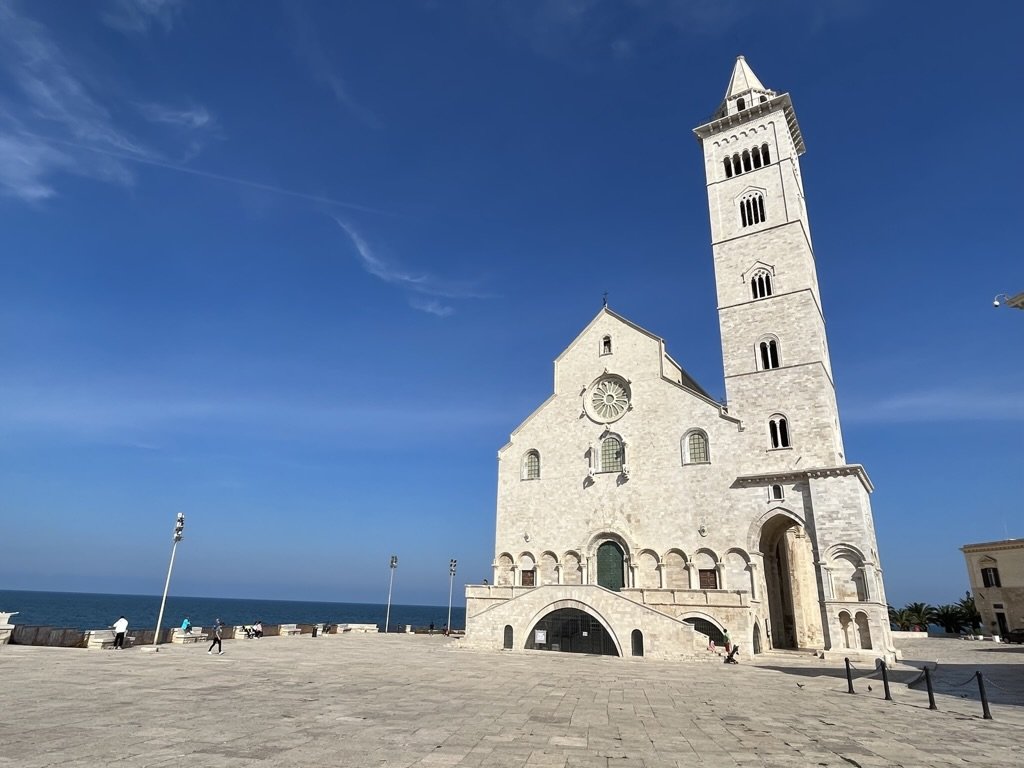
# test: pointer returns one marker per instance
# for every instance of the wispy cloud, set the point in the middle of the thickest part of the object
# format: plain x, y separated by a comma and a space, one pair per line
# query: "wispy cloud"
308, 49
430, 287
944, 405
56, 120
138, 16
138, 414
193, 117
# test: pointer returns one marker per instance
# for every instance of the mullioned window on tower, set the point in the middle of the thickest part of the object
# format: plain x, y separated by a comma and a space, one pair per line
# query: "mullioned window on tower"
752, 209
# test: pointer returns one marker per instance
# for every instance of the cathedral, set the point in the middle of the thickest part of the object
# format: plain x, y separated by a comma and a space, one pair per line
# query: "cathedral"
638, 516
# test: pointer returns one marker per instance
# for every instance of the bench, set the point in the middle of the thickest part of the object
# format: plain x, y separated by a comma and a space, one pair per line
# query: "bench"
357, 628
184, 638
288, 630
103, 639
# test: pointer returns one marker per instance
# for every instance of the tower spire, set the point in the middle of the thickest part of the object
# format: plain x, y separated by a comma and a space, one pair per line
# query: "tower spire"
743, 80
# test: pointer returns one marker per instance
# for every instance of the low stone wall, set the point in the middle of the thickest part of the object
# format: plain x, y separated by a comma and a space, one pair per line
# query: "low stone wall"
57, 637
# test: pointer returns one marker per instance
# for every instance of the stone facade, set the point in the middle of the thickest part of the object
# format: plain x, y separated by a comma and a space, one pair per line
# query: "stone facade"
631, 493
996, 571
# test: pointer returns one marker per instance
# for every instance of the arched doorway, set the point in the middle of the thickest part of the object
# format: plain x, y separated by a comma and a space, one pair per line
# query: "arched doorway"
791, 584
610, 566
707, 628
638, 642
757, 638
570, 630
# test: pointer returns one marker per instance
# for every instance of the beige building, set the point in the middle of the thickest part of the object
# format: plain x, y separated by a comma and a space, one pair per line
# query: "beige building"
996, 571
639, 516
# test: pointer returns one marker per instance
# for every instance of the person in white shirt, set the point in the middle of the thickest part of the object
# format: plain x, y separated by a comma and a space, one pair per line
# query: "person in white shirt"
120, 628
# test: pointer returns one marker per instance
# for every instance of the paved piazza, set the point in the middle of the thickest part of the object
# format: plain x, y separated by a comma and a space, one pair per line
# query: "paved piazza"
402, 700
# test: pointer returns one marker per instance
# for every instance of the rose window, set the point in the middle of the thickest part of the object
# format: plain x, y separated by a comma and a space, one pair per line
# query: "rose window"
608, 399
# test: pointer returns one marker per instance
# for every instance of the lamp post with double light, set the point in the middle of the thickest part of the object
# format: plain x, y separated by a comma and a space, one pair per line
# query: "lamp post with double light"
1016, 302
391, 582
179, 528
451, 585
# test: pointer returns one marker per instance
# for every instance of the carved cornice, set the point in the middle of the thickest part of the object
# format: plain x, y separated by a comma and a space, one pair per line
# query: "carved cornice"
790, 475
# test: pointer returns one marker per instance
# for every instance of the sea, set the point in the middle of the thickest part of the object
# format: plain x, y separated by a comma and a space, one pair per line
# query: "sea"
84, 610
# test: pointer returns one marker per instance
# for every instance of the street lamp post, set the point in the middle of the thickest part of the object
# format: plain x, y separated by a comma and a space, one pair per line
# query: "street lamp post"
179, 527
451, 584
391, 582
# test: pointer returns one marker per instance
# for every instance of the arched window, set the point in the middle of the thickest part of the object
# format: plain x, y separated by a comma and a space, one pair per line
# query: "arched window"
765, 157
764, 99
775, 493
737, 169
531, 465
746, 161
637, 638
696, 448
611, 454
755, 153
761, 284
752, 209
778, 431
741, 104
606, 345
728, 168
507, 644
768, 354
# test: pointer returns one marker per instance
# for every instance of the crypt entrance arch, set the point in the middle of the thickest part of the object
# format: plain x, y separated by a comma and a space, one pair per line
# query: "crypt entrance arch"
570, 629
791, 586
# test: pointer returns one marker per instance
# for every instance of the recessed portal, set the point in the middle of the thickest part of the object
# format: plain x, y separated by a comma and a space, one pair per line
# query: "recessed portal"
791, 584
610, 560
570, 630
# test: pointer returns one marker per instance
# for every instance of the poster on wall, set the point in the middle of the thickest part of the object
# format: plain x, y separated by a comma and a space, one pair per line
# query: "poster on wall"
540, 637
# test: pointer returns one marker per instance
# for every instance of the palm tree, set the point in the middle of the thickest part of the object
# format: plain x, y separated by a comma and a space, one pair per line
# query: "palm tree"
921, 614
901, 618
951, 617
971, 614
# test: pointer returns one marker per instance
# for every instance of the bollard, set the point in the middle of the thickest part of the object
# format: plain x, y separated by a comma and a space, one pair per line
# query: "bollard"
985, 712
849, 677
928, 685
885, 681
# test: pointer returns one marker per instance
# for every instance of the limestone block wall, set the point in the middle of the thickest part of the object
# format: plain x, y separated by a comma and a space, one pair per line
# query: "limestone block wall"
664, 637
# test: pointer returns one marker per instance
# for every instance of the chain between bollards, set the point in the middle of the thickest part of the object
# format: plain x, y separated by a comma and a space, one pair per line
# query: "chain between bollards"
986, 713
849, 676
885, 680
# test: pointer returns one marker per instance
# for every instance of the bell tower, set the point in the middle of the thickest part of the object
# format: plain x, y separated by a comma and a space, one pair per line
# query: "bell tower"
778, 376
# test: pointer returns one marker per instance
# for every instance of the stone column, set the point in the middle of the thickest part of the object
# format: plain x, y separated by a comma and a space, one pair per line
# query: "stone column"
694, 577
661, 574
558, 574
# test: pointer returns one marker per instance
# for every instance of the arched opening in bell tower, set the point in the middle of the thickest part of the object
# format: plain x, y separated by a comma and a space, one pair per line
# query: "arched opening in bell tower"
791, 587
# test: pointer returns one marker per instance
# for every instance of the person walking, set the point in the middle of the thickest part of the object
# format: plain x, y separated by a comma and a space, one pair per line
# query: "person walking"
120, 628
218, 633
726, 640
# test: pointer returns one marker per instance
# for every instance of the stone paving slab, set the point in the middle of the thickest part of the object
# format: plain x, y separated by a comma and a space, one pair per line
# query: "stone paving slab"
397, 701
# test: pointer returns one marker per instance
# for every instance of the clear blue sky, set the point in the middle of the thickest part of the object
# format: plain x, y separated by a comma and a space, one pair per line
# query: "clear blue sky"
298, 269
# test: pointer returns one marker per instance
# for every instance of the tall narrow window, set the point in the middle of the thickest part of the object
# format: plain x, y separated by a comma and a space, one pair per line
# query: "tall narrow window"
746, 161
741, 104
728, 168
611, 455
761, 284
755, 153
606, 345
765, 157
737, 169
778, 432
752, 209
775, 493
768, 354
990, 577
531, 465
